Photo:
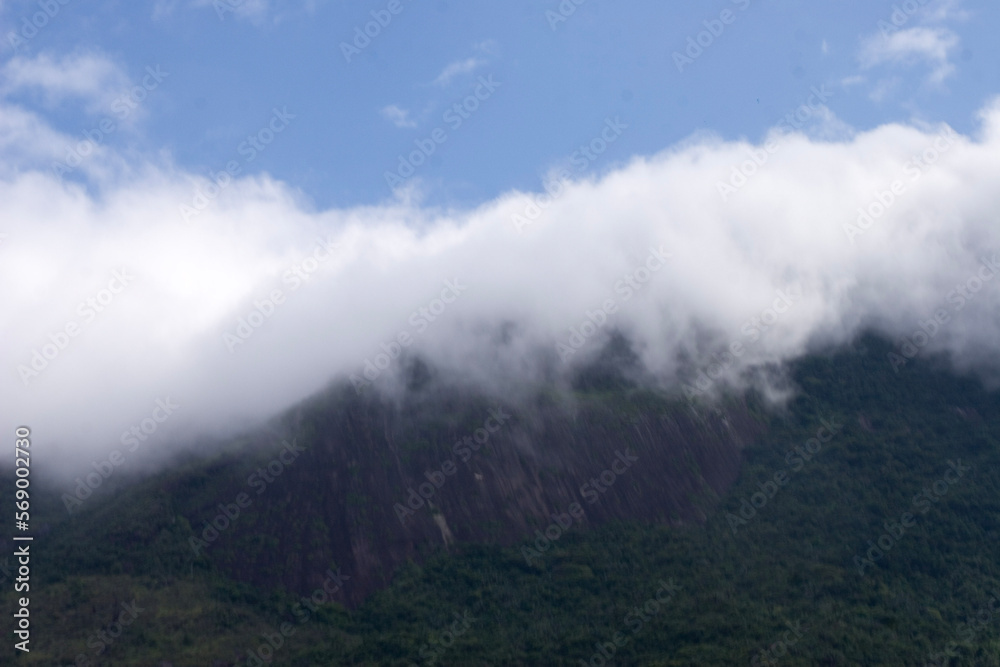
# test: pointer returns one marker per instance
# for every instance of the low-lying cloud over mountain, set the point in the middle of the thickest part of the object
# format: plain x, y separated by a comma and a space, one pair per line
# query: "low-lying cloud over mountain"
131, 282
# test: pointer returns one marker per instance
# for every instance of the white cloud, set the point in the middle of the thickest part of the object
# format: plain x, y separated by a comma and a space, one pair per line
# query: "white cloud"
398, 117
488, 46
945, 10
458, 68
932, 46
194, 282
25, 140
163, 9
90, 77
884, 88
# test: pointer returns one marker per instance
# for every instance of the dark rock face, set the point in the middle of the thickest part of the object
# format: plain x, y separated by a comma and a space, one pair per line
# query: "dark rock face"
384, 481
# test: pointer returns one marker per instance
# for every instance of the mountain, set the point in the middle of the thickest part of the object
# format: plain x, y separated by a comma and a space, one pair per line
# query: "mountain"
609, 520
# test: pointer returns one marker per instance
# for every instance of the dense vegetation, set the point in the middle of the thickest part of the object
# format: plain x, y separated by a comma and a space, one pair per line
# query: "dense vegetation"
791, 585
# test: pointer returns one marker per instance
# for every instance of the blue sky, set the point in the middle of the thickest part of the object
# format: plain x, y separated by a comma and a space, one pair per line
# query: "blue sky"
229, 66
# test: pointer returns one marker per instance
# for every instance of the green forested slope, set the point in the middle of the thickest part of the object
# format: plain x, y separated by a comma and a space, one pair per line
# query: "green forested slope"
795, 571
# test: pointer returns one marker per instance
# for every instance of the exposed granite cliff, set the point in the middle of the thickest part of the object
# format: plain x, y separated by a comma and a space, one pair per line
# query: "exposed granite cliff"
353, 496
